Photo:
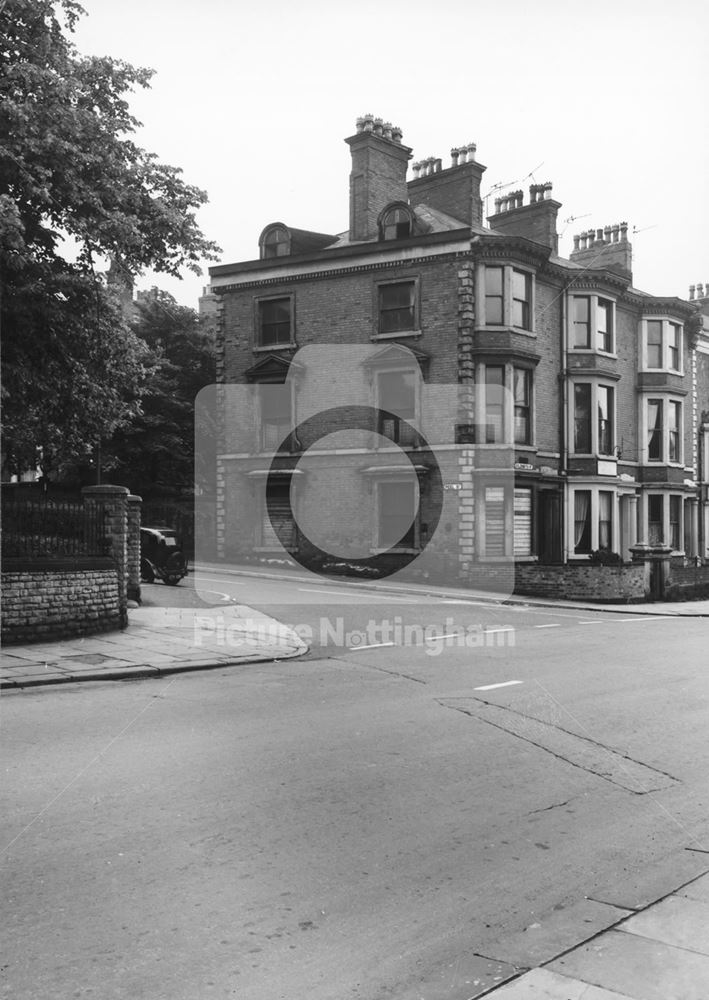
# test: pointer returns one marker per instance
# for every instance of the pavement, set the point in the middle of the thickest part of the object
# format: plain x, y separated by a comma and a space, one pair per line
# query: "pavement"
659, 952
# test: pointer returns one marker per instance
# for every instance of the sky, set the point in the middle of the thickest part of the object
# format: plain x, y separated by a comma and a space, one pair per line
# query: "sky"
253, 101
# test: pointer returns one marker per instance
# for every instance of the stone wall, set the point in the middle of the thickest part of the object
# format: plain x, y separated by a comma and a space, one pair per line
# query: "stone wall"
583, 581
58, 599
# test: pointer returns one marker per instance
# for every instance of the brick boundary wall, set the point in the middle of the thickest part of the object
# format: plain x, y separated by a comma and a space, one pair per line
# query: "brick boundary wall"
55, 601
687, 580
585, 581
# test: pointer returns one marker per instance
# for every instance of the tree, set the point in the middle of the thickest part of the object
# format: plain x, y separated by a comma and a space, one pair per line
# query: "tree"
154, 453
70, 171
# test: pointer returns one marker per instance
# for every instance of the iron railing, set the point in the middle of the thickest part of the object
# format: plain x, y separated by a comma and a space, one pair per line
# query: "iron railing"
53, 529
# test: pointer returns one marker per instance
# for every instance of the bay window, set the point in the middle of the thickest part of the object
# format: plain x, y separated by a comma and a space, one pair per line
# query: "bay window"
591, 324
505, 404
661, 348
593, 521
507, 296
665, 520
662, 429
591, 437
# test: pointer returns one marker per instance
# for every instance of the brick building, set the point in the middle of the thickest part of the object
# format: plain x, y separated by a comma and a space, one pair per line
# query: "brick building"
536, 409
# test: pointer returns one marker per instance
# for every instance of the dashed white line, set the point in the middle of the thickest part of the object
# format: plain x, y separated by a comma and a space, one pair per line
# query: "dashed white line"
502, 684
547, 626
596, 621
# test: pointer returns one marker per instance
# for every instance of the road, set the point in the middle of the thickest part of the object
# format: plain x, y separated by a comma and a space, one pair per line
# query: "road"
408, 817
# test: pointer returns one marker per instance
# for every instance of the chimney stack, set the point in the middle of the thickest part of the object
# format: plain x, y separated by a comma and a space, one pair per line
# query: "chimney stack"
378, 175
607, 247
535, 221
454, 190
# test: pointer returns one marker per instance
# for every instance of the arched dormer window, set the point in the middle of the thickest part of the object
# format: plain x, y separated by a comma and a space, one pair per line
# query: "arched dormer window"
275, 241
396, 222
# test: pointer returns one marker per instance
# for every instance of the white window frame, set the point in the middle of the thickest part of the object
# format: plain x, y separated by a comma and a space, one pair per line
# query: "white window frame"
287, 385
665, 496
665, 366
261, 300
415, 421
595, 489
596, 383
666, 399
508, 403
415, 329
507, 271
594, 298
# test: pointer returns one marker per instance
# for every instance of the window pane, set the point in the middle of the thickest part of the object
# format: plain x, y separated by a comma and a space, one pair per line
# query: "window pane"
523, 522
654, 343
654, 430
275, 321
581, 321
674, 431
397, 395
396, 307
494, 521
675, 516
605, 520
582, 521
521, 284
655, 533
605, 420
674, 346
397, 510
494, 403
582, 419
522, 429
282, 516
604, 325
493, 296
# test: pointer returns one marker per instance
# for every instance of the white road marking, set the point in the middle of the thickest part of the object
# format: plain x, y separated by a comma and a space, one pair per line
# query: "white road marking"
374, 645
448, 635
451, 601
503, 684
642, 618
547, 626
489, 631
596, 621
234, 583
371, 597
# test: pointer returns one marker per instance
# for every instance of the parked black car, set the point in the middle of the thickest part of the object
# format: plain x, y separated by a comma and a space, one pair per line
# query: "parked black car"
161, 556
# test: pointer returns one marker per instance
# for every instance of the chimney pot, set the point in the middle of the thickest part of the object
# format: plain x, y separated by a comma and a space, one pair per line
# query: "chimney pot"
454, 157
378, 126
546, 187
498, 203
416, 167
463, 154
360, 124
700, 291
396, 134
368, 123
387, 130
576, 243
691, 293
438, 164
607, 234
624, 231
471, 150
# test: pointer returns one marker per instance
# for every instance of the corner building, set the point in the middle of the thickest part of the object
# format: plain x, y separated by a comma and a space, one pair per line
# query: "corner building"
580, 433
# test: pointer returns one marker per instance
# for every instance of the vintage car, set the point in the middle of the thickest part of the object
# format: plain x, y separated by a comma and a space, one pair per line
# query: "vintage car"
161, 556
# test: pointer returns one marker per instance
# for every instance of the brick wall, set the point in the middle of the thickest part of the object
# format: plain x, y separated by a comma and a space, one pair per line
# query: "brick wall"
584, 581
56, 603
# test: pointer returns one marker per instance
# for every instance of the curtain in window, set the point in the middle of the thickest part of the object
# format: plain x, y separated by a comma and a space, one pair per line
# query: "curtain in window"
582, 521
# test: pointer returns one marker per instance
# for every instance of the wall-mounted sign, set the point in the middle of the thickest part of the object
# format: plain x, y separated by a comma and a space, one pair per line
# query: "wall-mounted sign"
452, 486
524, 467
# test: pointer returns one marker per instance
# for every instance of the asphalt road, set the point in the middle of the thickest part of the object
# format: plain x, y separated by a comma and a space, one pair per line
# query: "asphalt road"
409, 817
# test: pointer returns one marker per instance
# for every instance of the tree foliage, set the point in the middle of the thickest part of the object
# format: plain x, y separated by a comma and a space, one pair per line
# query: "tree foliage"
154, 454
71, 175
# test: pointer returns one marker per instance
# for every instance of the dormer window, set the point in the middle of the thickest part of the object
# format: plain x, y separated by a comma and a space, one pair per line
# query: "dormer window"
395, 222
275, 242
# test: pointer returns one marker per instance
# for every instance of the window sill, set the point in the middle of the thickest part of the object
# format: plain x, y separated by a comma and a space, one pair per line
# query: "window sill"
394, 336
611, 355
502, 328
399, 550
269, 348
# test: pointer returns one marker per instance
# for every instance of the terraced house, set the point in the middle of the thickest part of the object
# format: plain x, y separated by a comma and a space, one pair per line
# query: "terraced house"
580, 431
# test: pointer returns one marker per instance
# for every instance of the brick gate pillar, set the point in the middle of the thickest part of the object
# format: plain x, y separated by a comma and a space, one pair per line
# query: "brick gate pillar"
133, 547
112, 501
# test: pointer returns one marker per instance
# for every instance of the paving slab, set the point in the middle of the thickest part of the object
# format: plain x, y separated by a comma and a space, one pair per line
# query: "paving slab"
637, 967
542, 984
699, 889
677, 920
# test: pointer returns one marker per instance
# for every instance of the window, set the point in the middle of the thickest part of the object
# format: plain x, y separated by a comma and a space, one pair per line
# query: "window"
276, 243
275, 325
494, 403
398, 503
276, 415
508, 296
604, 397
665, 520
605, 520
397, 307
604, 326
662, 345
581, 321
593, 512
522, 395
663, 430
522, 522
282, 515
397, 395
395, 223
582, 418
592, 321
593, 437
505, 404
582, 521
521, 298
494, 521
675, 521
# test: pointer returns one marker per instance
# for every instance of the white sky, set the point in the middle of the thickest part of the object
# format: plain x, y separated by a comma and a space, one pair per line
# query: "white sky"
253, 100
